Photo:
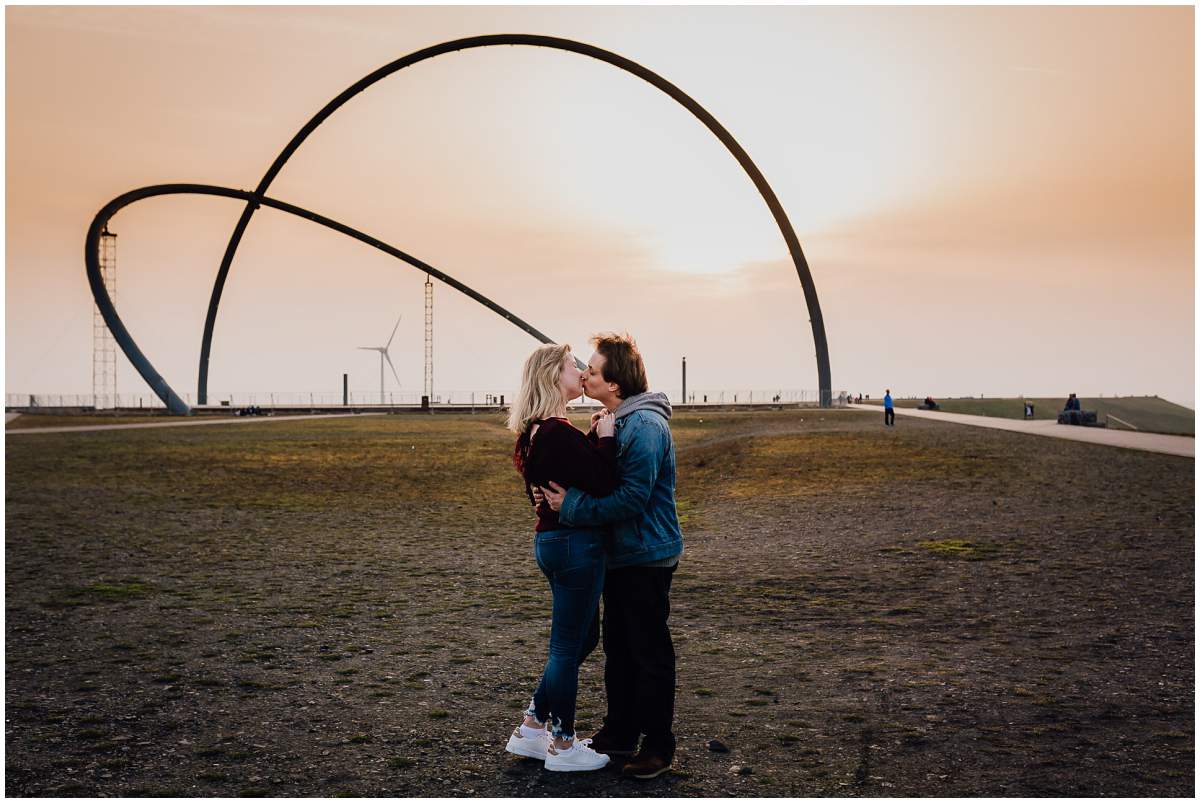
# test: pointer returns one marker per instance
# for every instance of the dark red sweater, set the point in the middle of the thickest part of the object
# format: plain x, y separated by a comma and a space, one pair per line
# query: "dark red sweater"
562, 453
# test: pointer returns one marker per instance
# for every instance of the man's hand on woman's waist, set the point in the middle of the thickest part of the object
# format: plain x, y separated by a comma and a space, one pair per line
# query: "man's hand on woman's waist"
553, 496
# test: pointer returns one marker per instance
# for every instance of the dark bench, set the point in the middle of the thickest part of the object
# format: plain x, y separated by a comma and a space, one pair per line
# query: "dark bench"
1085, 418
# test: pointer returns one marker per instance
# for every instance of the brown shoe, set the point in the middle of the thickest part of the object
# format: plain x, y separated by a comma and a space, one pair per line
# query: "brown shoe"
645, 766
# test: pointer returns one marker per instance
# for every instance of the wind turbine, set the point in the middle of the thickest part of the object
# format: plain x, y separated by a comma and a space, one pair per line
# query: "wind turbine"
383, 355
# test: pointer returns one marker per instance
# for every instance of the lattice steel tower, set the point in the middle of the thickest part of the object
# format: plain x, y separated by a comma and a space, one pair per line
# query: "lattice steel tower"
429, 337
104, 347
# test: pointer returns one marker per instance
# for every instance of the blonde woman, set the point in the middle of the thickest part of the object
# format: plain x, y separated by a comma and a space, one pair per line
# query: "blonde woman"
550, 448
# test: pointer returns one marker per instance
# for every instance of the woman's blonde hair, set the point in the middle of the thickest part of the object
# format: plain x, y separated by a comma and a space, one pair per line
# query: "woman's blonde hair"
539, 396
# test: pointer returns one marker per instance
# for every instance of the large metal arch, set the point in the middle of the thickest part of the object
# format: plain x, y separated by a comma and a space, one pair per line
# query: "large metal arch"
139, 360
768, 195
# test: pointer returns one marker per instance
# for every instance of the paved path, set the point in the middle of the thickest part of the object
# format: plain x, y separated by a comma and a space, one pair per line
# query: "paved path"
183, 422
1180, 445
10, 416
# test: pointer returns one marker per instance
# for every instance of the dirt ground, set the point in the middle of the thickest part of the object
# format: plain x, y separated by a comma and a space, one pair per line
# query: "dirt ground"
28, 421
351, 607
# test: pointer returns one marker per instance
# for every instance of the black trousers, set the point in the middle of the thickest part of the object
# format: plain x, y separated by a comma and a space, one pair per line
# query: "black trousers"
639, 658
889, 417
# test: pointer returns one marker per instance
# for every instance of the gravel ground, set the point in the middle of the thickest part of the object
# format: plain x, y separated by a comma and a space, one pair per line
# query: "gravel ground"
351, 607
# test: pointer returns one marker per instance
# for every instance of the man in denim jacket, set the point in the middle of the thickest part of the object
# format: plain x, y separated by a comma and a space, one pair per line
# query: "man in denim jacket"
639, 667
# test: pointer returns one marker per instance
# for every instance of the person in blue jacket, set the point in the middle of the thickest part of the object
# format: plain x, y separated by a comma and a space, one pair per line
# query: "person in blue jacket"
639, 657
1073, 409
889, 413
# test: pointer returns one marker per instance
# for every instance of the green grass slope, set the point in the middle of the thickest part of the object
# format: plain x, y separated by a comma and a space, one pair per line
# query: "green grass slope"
1147, 413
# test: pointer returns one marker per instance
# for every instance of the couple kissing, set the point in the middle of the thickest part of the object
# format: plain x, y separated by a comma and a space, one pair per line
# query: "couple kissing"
607, 528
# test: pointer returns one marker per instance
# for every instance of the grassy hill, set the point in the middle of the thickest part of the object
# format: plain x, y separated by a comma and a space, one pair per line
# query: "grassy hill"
1147, 413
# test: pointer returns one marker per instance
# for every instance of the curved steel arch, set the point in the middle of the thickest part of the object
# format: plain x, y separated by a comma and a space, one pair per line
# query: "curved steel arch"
126, 341
764, 189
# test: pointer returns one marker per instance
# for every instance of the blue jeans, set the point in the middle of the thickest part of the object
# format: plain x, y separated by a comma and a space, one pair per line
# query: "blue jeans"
573, 561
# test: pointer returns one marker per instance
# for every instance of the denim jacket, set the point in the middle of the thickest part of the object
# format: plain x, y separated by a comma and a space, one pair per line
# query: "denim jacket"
641, 510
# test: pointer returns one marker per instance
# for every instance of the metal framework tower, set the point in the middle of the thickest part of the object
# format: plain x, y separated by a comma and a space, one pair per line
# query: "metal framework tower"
104, 346
429, 336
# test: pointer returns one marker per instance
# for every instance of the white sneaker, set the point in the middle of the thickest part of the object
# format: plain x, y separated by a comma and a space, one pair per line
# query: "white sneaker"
528, 746
579, 758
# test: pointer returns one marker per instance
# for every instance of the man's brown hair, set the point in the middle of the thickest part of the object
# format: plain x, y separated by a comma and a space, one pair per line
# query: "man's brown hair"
622, 363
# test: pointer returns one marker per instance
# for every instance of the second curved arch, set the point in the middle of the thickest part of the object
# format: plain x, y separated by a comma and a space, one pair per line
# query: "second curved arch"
129, 346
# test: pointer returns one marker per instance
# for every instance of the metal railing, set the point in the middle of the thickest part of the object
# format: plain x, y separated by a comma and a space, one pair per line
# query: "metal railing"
454, 398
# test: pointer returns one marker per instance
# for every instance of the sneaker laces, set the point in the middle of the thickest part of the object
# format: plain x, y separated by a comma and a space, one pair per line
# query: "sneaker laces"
575, 743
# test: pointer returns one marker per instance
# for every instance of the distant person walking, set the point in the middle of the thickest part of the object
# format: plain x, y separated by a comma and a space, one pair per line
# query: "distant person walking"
889, 413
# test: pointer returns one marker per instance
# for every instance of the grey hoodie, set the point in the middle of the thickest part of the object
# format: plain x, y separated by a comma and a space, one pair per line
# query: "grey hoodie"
655, 401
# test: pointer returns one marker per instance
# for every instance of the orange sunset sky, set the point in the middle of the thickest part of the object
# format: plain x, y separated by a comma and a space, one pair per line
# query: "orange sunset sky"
991, 200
